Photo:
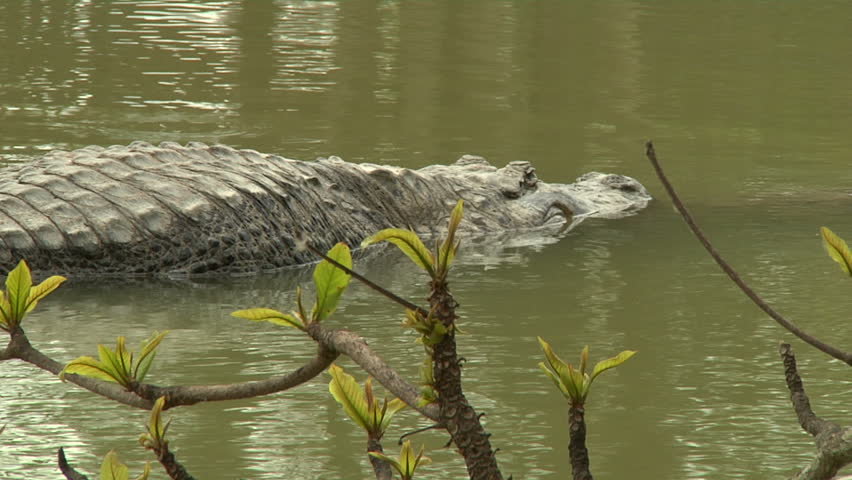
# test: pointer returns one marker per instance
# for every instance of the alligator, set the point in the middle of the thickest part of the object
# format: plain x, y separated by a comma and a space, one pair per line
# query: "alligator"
197, 209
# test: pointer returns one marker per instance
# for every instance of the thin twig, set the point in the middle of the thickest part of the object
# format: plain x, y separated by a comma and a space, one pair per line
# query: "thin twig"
67, 470
809, 420
751, 294
387, 293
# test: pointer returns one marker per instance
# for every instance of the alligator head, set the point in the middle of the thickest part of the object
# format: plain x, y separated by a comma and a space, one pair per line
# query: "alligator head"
513, 197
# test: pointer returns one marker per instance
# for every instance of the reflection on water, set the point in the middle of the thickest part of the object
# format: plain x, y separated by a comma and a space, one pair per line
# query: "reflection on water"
747, 103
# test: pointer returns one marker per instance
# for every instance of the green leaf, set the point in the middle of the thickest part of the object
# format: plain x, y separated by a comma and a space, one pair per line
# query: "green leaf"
837, 249
42, 290
556, 381
556, 363
447, 251
348, 393
409, 243
299, 305
407, 463
111, 362
89, 367
613, 362
390, 460
147, 352
427, 395
156, 421
155, 436
331, 281
584, 359
124, 361
391, 409
271, 316
18, 285
146, 472
112, 469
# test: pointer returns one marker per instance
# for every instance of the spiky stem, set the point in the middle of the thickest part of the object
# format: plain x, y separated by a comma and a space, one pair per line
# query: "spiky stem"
577, 443
456, 414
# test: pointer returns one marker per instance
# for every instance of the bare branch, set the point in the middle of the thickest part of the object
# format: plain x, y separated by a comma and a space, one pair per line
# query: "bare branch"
734, 276
834, 450
67, 470
192, 394
809, 421
173, 468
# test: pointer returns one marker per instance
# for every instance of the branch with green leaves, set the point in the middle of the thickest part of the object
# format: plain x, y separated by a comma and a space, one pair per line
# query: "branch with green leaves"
21, 297
364, 409
407, 463
575, 384
111, 468
153, 439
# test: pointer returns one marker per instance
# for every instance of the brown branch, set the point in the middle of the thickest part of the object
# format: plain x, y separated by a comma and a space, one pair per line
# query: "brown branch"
191, 394
834, 450
809, 421
734, 276
173, 468
331, 344
19, 347
67, 470
145, 394
356, 348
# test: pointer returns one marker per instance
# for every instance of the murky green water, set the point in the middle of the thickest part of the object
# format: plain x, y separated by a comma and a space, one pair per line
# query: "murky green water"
749, 105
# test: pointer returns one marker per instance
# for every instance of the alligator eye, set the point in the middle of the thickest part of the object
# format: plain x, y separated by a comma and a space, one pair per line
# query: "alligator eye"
566, 210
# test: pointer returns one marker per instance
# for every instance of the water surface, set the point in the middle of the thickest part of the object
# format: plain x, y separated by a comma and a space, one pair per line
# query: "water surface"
749, 105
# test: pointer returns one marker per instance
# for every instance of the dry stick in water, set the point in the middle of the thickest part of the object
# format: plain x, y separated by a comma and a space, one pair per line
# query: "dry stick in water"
813, 341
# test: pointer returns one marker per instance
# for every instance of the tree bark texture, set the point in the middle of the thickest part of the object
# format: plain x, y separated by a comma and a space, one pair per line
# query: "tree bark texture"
456, 414
577, 443
833, 442
381, 469
173, 468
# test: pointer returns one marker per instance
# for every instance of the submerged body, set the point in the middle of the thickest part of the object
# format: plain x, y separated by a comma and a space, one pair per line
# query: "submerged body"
196, 209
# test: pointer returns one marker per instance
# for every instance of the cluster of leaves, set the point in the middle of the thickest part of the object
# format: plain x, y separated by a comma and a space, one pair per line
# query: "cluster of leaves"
154, 439
155, 436
361, 405
21, 297
407, 463
436, 264
575, 383
117, 365
364, 409
330, 283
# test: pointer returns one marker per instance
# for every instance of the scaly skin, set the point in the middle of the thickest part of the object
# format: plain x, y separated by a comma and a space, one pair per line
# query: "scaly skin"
199, 209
